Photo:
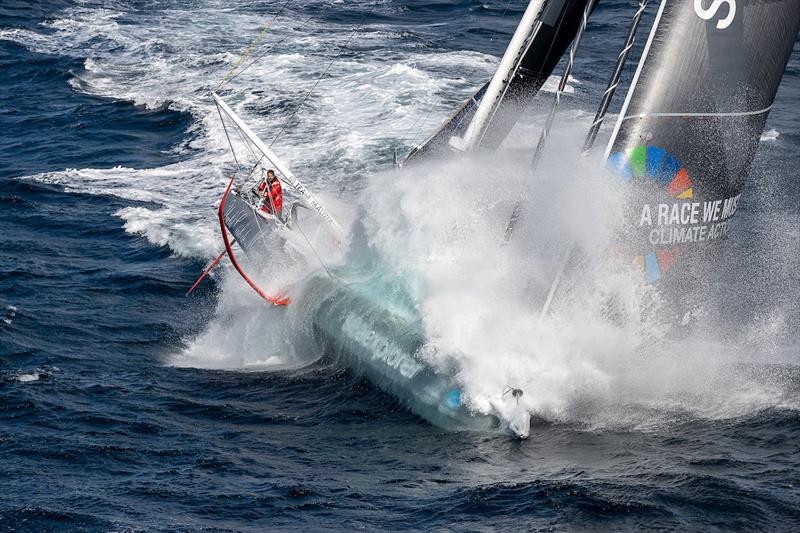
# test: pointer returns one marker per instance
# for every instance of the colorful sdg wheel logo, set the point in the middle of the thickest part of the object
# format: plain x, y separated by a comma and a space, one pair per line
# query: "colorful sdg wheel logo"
654, 164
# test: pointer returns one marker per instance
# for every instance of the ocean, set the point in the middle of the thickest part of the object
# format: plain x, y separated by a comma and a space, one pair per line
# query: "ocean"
127, 406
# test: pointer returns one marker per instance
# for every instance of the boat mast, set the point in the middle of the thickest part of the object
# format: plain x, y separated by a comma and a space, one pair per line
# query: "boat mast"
520, 42
279, 165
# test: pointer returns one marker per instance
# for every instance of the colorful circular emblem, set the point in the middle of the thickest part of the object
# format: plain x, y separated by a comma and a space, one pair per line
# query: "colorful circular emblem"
654, 164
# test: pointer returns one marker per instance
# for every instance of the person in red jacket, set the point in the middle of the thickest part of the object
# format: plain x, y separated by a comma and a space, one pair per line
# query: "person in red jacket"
271, 193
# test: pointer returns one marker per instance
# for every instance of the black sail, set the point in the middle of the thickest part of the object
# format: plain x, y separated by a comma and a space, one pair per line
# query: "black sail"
690, 127
560, 21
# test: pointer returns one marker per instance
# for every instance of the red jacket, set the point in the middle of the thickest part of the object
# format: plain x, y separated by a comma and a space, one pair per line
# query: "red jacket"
273, 196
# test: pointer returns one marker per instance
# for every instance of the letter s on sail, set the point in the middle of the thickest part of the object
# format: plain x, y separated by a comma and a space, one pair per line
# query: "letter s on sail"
710, 12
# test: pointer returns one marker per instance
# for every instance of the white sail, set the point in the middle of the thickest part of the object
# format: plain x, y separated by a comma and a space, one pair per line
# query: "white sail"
514, 54
285, 172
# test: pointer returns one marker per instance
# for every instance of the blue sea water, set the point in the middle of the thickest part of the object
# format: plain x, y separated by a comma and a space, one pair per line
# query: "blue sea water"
109, 174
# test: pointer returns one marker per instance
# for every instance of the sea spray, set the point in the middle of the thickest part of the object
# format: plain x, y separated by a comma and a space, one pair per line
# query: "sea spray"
482, 299
353, 329
429, 260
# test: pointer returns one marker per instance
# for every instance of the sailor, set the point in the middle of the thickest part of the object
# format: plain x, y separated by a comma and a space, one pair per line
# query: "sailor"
271, 193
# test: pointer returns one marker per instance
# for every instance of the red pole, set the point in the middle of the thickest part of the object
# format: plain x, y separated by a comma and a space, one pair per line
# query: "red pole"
208, 270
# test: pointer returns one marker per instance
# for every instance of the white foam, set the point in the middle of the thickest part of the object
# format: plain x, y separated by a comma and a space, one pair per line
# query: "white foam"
9, 314
28, 378
246, 333
770, 135
551, 84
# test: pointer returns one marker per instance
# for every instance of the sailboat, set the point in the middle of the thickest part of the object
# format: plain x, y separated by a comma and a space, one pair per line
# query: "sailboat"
690, 127
685, 84
347, 321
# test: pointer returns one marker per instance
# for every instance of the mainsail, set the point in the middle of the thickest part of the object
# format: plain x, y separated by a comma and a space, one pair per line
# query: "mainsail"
690, 127
486, 118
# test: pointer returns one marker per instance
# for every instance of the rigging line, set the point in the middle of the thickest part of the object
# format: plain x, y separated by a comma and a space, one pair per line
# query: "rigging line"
562, 267
412, 130
225, 129
505, 9
562, 84
537, 154
255, 165
339, 53
321, 262
247, 145
233, 151
605, 101
700, 115
423, 121
264, 54
252, 45
642, 60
